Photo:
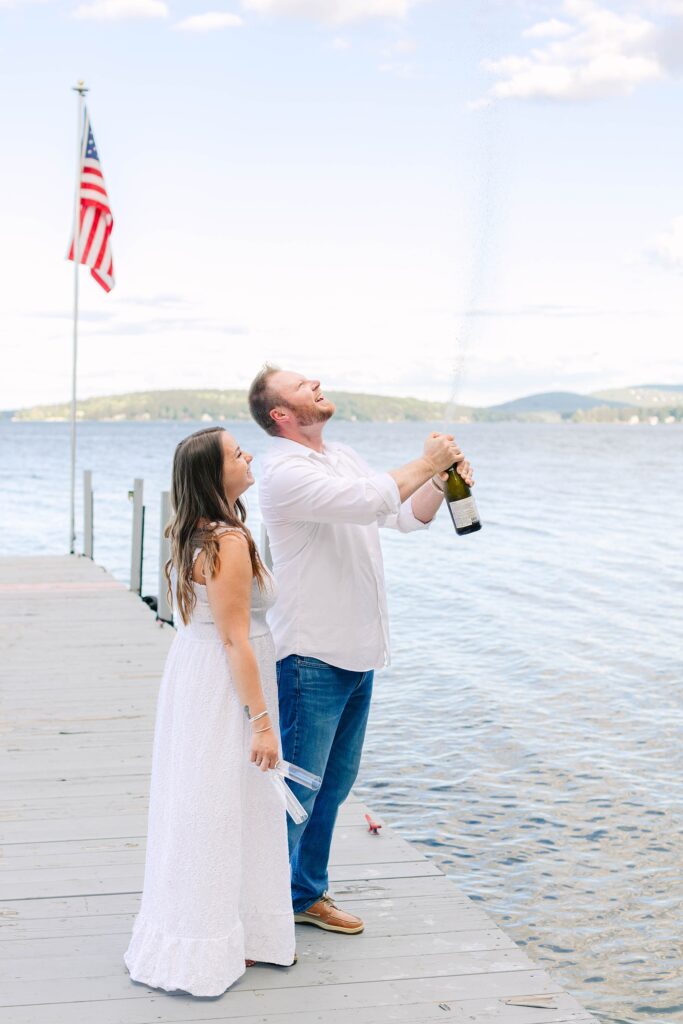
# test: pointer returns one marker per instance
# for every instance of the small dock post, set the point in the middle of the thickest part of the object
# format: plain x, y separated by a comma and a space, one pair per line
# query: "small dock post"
164, 610
136, 496
88, 514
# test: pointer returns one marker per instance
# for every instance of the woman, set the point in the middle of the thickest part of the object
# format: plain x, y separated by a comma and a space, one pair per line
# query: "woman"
216, 895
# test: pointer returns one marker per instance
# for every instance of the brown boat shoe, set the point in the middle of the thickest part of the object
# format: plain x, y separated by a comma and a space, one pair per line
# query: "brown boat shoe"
325, 914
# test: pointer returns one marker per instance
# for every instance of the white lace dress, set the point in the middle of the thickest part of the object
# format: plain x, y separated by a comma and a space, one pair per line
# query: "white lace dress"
217, 887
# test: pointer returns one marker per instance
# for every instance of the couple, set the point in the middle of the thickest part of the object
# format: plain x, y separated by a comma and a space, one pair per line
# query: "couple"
217, 894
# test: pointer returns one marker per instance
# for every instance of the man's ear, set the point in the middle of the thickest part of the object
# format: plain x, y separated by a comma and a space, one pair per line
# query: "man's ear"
278, 415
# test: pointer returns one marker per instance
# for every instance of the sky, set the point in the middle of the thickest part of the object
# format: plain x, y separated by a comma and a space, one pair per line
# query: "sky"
469, 199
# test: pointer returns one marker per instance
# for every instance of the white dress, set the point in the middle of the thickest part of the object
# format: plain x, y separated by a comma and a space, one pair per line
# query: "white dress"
217, 885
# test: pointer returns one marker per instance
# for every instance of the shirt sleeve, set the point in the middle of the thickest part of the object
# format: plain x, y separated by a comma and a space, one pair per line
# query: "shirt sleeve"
405, 520
402, 518
300, 489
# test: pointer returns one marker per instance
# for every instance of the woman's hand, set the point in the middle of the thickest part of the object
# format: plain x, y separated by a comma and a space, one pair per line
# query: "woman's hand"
265, 752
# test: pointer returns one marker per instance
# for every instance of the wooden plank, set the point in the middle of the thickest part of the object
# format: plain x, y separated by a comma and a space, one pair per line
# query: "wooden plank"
339, 984
489, 1010
334, 947
484, 1011
81, 784
64, 807
95, 971
362, 889
53, 858
390, 893
53, 918
398, 888
123, 826
49, 851
480, 1010
351, 844
79, 740
127, 876
117, 997
59, 927
54, 866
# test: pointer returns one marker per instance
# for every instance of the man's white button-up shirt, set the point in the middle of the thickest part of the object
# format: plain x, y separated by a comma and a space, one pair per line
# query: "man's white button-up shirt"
323, 513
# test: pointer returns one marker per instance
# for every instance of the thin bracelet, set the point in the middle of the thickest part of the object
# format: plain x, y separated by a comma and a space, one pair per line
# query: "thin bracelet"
261, 730
436, 486
261, 715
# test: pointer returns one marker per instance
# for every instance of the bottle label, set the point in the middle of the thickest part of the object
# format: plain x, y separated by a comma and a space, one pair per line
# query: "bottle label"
464, 512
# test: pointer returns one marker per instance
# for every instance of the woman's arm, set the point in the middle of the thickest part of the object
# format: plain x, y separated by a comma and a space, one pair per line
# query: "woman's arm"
229, 594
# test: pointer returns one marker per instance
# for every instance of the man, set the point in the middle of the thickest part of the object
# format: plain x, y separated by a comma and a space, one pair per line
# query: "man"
322, 506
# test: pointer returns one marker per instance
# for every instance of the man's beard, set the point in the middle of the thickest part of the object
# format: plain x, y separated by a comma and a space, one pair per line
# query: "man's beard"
318, 414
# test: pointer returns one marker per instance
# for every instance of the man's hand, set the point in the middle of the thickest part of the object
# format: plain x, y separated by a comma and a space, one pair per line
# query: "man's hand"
442, 452
465, 471
439, 454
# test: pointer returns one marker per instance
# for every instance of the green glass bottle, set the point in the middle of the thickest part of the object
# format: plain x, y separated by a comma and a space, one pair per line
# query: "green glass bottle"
461, 504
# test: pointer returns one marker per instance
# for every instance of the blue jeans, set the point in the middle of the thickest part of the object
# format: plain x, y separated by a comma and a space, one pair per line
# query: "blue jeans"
323, 714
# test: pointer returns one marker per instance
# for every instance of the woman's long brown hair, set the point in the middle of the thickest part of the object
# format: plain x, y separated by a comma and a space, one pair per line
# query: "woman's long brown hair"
198, 496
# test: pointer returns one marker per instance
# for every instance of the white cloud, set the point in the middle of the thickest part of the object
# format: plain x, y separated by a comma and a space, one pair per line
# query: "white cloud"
670, 45
551, 29
666, 249
209, 22
599, 54
339, 43
119, 10
335, 11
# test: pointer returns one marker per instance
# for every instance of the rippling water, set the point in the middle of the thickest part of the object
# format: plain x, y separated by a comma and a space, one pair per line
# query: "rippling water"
528, 734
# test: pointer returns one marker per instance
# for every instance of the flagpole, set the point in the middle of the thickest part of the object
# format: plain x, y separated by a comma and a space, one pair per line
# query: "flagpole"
81, 90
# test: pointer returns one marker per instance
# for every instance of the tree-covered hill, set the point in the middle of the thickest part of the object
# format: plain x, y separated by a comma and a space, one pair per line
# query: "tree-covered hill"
228, 405
644, 396
646, 403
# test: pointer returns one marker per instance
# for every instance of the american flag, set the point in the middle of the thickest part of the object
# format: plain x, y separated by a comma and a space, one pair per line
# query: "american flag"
96, 221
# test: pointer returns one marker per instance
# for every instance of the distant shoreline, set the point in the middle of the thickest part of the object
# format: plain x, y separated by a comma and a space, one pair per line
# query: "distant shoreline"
527, 420
652, 404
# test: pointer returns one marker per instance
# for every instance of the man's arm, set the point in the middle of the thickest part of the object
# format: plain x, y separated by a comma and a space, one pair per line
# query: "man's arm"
301, 489
426, 501
440, 452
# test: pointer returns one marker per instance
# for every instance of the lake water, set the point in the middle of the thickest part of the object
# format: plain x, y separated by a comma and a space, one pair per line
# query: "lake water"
528, 733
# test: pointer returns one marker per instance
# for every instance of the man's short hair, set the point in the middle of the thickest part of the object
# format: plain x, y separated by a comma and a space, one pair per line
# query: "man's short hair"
262, 399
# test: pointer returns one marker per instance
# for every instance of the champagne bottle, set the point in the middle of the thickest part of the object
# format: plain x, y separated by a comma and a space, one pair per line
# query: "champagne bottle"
461, 504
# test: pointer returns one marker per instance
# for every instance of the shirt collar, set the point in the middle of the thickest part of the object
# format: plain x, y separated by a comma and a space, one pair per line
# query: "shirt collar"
285, 445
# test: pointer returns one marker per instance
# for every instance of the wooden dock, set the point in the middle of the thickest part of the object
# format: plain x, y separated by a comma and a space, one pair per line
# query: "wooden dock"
80, 660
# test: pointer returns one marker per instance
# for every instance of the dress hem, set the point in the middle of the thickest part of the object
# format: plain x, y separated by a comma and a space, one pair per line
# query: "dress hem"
202, 967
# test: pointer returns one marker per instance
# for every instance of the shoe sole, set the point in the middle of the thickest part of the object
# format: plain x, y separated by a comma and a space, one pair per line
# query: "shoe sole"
302, 919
